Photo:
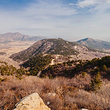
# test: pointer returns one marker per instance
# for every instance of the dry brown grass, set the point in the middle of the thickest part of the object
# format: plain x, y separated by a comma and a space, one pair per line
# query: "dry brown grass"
59, 93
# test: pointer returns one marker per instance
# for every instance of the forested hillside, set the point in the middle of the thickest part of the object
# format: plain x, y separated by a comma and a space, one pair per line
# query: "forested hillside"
37, 63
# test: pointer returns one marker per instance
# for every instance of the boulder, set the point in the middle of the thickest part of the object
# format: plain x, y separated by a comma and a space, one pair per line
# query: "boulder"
83, 109
31, 102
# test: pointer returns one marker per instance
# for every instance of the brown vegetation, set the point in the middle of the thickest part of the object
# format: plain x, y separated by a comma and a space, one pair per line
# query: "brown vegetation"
58, 93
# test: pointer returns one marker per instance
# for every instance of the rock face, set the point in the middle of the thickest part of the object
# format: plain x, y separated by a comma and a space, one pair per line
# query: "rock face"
31, 102
83, 109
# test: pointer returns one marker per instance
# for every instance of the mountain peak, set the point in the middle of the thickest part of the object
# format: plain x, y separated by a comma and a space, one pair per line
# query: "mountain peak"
95, 44
86, 39
17, 33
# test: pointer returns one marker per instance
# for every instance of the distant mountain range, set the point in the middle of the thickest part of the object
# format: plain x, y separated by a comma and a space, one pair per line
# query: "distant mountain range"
12, 37
95, 44
87, 48
88, 42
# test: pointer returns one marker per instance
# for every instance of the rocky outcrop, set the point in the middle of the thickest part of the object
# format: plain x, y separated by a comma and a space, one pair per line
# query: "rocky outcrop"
83, 109
31, 102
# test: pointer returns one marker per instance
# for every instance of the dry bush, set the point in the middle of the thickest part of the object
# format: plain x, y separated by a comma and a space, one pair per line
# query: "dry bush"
53, 102
12, 90
59, 93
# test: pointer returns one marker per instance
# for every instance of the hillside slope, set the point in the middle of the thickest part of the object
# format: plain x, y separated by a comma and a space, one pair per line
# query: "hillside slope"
58, 47
75, 67
47, 46
95, 44
12, 37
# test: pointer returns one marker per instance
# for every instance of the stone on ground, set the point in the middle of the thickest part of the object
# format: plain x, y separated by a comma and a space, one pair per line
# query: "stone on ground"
31, 102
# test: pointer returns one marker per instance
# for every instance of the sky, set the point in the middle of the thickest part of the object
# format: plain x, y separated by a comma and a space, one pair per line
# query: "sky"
67, 19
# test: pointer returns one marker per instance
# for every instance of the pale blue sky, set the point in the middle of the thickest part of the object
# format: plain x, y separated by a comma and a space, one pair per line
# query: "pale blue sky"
68, 19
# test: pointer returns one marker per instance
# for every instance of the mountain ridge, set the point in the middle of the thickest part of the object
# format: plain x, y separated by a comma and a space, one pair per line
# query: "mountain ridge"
48, 46
95, 44
57, 47
12, 37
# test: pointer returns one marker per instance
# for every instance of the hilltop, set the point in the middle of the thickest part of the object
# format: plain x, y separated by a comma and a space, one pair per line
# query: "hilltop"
47, 46
95, 44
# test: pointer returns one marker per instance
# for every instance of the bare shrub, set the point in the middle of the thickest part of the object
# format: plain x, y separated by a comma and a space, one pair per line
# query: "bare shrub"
59, 93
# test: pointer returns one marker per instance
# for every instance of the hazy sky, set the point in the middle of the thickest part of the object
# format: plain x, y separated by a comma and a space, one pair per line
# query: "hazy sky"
69, 19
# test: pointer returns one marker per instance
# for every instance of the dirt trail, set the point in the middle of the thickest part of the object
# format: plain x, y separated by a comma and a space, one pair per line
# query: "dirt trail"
52, 63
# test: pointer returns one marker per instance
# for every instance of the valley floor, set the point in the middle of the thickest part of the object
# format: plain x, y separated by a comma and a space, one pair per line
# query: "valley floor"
11, 48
